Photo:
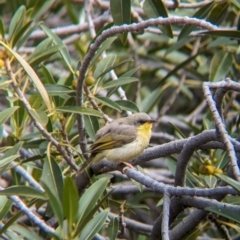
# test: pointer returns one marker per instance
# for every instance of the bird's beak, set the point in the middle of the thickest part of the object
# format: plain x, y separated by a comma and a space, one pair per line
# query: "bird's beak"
152, 121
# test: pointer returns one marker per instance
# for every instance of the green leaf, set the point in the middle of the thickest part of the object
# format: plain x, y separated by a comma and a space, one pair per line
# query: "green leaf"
130, 72
119, 82
79, 110
55, 202
223, 33
121, 13
220, 65
218, 12
172, 165
48, 76
25, 232
57, 41
128, 105
108, 102
229, 181
91, 125
5, 206
200, 14
178, 130
23, 30
25, 191
39, 116
90, 198
58, 90
16, 22
113, 227
210, 181
7, 160
176, 45
227, 213
103, 66
156, 8
92, 227
9, 156
70, 201
43, 51
5, 114
52, 177
33, 77
2, 32
101, 49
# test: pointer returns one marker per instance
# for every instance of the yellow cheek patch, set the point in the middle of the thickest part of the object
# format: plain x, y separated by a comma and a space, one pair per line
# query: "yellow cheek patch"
145, 128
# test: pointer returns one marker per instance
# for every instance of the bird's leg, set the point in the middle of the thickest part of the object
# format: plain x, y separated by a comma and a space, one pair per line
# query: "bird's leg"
123, 169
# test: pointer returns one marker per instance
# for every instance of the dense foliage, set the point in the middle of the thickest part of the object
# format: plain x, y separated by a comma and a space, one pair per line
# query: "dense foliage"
68, 67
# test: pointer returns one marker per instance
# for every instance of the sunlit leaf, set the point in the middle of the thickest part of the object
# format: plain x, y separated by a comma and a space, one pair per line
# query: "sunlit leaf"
32, 75
7, 160
39, 116
79, 110
70, 201
229, 181
224, 212
127, 105
108, 102
64, 52
6, 113
121, 13
156, 8
113, 227
220, 65
93, 226
200, 14
24, 191
119, 82
101, 49
91, 125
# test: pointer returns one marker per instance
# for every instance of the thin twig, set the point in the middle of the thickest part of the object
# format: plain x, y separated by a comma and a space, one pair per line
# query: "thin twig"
165, 216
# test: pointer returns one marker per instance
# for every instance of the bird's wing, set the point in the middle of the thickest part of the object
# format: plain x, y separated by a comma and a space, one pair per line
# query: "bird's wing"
107, 138
122, 134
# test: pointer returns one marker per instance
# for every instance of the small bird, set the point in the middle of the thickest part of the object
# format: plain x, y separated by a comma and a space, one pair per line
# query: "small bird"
121, 140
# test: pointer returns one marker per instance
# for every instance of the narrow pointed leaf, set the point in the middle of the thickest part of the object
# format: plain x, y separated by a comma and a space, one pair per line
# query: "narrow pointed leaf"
119, 82
101, 49
25, 191
108, 102
52, 177
220, 65
6, 113
33, 76
79, 110
103, 65
113, 227
121, 13
70, 200
7, 160
39, 116
200, 14
92, 228
229, 181
128, 105
91, 125
64, 52
156, 8
55, 203
90, 198
227, 213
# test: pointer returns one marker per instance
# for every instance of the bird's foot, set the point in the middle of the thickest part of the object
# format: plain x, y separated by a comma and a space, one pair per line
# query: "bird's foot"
124, 169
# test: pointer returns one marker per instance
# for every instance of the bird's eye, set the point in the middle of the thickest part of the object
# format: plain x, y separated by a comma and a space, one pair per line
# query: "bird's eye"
141, 122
